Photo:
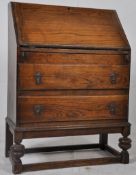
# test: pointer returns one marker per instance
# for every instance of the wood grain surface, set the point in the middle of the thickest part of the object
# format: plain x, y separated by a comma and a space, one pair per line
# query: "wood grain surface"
73, 76
67, 57
71, 108
46, 25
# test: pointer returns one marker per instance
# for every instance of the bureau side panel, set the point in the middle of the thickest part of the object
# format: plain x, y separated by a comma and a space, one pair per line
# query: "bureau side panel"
12, 67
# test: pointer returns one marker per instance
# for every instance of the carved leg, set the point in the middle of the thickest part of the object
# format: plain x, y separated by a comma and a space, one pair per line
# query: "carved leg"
17, 150
8, 140
103, 140
125, 144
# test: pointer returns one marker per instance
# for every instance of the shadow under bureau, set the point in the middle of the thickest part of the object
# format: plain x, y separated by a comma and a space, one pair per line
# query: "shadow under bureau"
68, 75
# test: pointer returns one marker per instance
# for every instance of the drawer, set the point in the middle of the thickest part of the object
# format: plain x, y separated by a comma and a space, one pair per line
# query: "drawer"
73, 58
71, 108
70, 76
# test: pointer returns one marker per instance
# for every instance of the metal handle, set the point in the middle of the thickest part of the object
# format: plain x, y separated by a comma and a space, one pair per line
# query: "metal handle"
112, 107
38, 78
113, 78
38, 109
23, 55
127, 58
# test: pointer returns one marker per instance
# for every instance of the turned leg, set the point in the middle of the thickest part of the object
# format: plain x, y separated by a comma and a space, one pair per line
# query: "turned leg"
125, 144
17, 150
8, 140
103, 140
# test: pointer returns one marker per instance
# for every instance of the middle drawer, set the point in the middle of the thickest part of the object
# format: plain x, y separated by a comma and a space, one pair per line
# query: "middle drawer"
69, 76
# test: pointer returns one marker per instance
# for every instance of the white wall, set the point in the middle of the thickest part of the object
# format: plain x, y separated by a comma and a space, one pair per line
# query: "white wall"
127, 12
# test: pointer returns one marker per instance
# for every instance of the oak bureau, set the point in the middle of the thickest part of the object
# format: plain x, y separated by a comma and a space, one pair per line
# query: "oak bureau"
68, 75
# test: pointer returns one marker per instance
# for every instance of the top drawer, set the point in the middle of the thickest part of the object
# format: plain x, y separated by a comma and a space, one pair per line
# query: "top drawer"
106, 58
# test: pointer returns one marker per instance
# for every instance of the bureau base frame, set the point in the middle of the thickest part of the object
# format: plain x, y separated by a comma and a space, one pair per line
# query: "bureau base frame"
15, 150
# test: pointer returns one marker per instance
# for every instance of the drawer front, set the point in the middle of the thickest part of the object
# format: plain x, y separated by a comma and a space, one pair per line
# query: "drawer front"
69, 76
71, 108
73, 58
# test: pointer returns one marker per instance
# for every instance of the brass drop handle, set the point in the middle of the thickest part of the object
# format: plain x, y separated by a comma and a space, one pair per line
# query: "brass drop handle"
113, 78
38, 109
112, 107
38, 78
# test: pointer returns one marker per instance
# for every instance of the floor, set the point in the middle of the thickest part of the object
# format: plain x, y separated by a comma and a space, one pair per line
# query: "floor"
112, 169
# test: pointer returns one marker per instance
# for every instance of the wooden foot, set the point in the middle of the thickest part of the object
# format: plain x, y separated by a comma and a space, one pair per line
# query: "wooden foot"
125, 144
103, 140
8, 140
16, 152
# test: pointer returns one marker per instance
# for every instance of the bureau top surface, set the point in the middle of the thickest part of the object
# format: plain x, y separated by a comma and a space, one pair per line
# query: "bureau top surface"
67, 27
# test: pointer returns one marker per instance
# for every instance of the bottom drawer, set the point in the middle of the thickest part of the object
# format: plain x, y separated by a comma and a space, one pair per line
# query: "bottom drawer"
71, 108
